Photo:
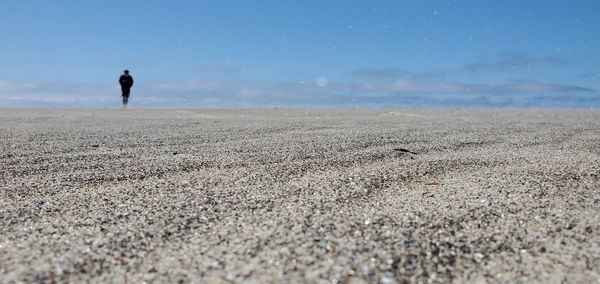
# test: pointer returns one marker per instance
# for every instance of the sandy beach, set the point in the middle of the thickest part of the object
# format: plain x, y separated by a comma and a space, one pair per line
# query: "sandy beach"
300, 196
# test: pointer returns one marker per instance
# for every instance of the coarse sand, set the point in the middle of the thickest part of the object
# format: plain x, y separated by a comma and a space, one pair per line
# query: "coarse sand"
310, 196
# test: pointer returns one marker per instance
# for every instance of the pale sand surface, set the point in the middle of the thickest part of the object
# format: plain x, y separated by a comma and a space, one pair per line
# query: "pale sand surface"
300, 196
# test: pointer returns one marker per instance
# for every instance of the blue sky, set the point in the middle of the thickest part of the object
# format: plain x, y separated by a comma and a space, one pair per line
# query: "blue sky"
69, 53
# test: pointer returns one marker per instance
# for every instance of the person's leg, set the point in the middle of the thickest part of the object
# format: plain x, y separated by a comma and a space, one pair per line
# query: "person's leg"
125, 92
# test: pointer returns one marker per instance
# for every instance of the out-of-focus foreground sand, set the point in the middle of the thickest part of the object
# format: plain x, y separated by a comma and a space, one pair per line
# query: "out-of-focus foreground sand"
300, 195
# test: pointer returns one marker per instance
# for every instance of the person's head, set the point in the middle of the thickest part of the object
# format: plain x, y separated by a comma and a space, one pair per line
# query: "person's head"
126, 71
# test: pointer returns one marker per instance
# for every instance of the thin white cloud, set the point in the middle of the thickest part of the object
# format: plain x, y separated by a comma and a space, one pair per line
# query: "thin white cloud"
440, 87
509, 61
448, 87
390, 73
5, 87
379, 73
55, 88
183, 86
261, 93
322, 81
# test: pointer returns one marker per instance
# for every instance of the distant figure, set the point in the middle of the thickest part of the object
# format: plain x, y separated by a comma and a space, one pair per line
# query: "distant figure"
126, 82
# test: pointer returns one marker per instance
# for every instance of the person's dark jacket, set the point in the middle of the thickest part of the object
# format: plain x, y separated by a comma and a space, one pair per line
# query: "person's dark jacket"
126, 81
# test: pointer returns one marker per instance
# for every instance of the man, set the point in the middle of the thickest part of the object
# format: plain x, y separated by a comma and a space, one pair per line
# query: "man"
126, 82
